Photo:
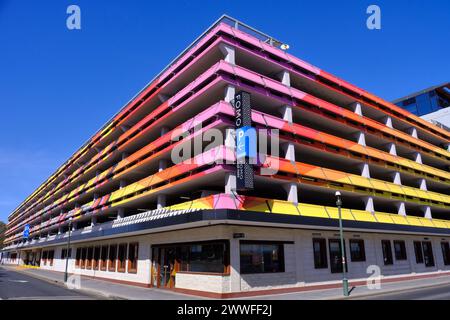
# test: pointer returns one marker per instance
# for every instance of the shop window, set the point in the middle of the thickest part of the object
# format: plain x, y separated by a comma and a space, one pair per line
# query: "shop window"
261, 257
112, 257
320, 253
44, 258
64, 254
90, 254
357, 250
104, 258
446, 252
133, 253
95, 261
387, 252
121, 257
400, 250
83, 258
428, 253
418, 251
78, 257
336, 256
51, 255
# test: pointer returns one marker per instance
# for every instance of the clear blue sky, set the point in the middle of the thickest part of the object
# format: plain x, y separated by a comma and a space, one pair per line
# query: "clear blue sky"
57, 87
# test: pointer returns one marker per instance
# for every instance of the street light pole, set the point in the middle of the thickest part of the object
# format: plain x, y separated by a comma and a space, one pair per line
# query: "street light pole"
67, 251
341, 234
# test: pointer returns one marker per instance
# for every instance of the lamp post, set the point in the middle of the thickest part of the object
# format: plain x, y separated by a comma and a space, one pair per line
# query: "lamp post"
68, 248
341, 234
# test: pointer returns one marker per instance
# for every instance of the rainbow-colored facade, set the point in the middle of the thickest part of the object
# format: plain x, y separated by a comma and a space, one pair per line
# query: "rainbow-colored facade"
185, 226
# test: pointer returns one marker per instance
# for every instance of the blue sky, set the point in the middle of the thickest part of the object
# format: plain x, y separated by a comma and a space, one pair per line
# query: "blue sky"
57, 87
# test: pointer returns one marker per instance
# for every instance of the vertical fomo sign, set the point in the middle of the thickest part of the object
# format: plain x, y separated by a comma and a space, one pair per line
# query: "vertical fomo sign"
245, 141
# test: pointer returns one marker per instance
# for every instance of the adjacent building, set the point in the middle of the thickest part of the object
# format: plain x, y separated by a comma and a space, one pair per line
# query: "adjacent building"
432, 104
219, 178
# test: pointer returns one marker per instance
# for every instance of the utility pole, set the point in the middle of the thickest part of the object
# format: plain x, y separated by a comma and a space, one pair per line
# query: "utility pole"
341, 234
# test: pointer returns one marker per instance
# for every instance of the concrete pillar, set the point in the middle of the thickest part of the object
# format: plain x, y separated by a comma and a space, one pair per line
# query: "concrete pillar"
396, 178
93, 221
356, 107
388, 122
401, 209
413, 132
235, 266
162, 165
287, 114
361, 138
230, 141
122, 184
230, 91
229, 53
423, 184
161, 201
292, 192
447, 147
120, 213
74, 226
418, 157
368, 202
230, 183
427, 212
289, 150
124, 155
392, 149
124, 128
365, 171
285, 78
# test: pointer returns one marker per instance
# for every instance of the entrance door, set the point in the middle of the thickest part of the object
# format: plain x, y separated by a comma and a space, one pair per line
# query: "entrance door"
164, 267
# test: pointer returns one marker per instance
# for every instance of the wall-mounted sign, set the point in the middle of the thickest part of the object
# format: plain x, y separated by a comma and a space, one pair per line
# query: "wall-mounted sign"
26, 231
245, 141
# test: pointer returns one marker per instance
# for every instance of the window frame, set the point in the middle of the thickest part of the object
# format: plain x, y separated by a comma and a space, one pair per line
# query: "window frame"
353, 256
322, 253
132, 266
112, 262
429, 263
445, 246
104, 262
281, 256
96, 258
388, 260
402, 254
77, 258
122, 263
83, 257
89, 256
418, 252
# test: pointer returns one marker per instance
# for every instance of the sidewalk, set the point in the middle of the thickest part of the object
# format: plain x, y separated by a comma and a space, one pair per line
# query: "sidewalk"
113, 290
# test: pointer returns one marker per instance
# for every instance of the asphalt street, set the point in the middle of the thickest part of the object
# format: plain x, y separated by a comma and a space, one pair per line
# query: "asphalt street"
440, 292
16, 285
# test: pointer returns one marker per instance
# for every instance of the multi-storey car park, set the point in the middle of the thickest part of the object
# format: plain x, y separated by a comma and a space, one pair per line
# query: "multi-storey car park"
137, 217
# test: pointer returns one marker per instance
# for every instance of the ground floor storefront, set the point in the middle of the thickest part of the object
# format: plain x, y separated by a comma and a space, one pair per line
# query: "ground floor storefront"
224, 258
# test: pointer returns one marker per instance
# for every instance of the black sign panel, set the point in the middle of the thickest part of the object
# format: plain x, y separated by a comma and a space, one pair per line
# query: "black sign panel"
243, 121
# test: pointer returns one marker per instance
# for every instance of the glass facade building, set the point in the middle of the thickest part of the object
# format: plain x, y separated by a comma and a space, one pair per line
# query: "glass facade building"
426, 101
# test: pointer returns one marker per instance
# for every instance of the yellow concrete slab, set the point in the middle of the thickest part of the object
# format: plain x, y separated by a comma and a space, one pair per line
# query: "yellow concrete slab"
346, 213
312, 211
361, 215
383, 217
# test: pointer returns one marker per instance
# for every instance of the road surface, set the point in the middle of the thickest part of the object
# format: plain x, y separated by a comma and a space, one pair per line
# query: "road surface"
439, 292
16, 285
